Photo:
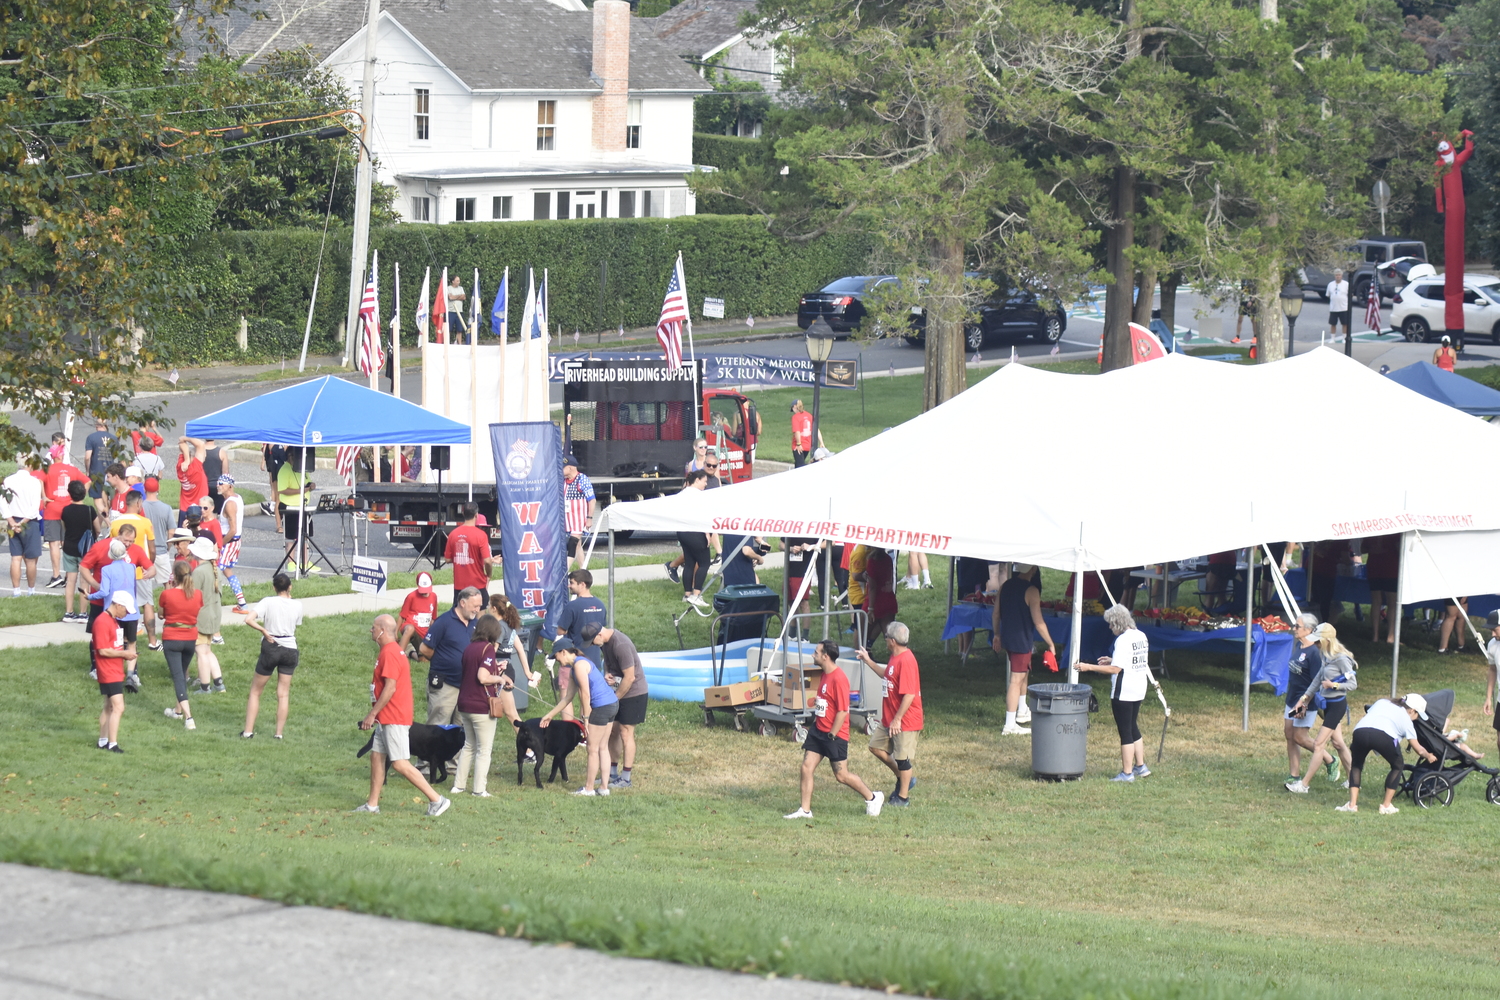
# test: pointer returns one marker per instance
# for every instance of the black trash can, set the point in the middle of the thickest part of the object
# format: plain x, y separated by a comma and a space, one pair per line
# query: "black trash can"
1059, 729
737, 600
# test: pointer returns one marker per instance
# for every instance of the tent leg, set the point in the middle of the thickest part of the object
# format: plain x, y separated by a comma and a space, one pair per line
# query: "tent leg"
1249, 630
1396, 626
1075, 639
611, 577
951, 562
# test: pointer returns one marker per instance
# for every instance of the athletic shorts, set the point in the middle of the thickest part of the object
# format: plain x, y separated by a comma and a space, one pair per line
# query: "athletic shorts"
573, 541
632, 711
52, 531
275, 658
1020, 663
130, 629
1307, 721
902, 746
1495, 718
70, 563
1383, 585
1335, 318
291, 518
27, 543
603, 715
143, 593
229, 554
111, 688
393, 741
826, 745
1334, 710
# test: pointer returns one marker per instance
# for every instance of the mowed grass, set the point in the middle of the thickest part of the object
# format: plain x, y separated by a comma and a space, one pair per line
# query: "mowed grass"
1204, 880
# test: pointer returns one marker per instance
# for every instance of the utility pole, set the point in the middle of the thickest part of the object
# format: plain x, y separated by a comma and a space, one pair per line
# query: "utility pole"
362, 186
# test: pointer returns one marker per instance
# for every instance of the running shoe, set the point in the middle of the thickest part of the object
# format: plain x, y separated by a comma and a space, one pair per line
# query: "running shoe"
219, 687
1332, 769
218, 640
872, 807
93, 675
1015, 731
56, 581
586, 792
1141, 771
799, 814
188, 723
623, 781
439, 807
241, 609
365, 807
153, 646
1298, 787
172, 713
603, 791
481, 795
314, 569
1122, 776
672, 573
1023, 714
115, 748
898, 801
133, 682
1388, 810
247, 736
1346, 808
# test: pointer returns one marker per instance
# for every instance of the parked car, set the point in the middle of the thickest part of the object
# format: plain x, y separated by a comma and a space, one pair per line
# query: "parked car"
1419, 307
1360, 263
1007, 318
840, 302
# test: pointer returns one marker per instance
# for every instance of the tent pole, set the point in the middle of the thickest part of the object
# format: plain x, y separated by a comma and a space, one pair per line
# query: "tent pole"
611, 576
1075, 640
951, 560
1396, 625
1250, 561
827, 583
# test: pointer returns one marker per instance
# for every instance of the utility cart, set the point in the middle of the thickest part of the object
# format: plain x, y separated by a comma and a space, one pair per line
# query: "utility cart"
790, 697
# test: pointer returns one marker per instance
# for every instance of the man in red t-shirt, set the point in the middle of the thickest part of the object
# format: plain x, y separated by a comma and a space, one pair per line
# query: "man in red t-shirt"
468, 549
55, 497
110, 651
147, 430
390, 717
190, 472
417, 613
802, 434
893, 740
829, 736
98, 557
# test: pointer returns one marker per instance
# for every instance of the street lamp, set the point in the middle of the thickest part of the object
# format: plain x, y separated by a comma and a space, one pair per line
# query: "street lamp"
819, 342
1291, 307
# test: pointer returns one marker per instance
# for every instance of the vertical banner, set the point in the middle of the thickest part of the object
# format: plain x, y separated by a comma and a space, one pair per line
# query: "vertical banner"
529, 494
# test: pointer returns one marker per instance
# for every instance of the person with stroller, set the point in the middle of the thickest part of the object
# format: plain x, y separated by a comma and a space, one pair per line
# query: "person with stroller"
1333, 682
1381, 731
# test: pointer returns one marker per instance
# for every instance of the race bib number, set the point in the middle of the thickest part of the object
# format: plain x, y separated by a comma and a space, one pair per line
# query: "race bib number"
820, 708
885, 688
424, 620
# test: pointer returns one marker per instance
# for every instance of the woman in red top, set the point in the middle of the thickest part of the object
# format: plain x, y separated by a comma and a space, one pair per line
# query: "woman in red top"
484, 674
180, 604
1445, 355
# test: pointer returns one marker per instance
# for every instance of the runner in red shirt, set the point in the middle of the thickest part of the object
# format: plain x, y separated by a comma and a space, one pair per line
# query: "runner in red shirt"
468, 549
893, 740
54, 499
417, 612
98, 557
110, 650
390, 716
829, 736
148, 429
190, 472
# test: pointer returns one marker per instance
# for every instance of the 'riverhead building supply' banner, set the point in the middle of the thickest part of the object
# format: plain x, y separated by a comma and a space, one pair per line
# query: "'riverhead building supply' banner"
529, 494
718, 369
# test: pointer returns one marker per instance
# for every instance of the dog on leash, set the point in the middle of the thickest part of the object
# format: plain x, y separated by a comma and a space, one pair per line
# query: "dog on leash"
436, 745
557, 740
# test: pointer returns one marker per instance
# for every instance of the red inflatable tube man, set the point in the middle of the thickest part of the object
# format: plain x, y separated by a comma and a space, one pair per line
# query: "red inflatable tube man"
1450, 202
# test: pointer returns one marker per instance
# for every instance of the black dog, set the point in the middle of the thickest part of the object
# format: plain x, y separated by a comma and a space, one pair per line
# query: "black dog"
436, 745
558, 739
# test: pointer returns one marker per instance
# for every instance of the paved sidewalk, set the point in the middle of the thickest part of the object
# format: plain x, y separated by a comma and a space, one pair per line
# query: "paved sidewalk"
58, 633
66, 935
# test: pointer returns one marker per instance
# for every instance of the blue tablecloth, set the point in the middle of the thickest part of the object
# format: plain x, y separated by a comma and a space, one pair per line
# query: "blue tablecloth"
1269, 651
1356, 590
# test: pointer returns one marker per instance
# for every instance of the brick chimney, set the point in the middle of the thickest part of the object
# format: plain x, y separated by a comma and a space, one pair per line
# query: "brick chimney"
611, 71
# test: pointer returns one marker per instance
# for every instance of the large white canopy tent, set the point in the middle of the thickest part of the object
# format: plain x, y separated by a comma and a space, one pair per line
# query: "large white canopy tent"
971, 477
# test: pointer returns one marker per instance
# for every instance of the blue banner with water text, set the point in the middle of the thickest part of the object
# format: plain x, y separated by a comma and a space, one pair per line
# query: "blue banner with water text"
529, 494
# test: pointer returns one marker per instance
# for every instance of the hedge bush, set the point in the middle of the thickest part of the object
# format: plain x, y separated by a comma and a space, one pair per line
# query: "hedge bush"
268, 276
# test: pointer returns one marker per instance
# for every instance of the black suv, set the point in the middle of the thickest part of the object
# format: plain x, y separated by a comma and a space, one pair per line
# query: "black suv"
840, 302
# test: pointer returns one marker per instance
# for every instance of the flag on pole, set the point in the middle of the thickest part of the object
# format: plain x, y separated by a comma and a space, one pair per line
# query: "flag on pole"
371, 356
674, 312
1143, 345
1372, 309
500, 311
474, 310
422, 313
539, 326
528, 312
440, 310
344, 460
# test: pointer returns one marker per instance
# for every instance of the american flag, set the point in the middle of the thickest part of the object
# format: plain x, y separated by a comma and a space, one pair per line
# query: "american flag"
674, 312
1372, 308
371, 350
344, 460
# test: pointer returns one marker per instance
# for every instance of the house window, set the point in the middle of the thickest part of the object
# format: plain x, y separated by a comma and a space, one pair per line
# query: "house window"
421, 210
541, 205
585, 204
646, 204
562, 204
633, 124
627, 204
546, 125
422, 120
502, 207
463, 209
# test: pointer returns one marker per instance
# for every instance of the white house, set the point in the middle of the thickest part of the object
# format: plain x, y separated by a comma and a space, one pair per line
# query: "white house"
705, 31
504, 109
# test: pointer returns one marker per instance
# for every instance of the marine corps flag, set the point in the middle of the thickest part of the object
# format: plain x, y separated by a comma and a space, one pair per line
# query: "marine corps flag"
1143, 345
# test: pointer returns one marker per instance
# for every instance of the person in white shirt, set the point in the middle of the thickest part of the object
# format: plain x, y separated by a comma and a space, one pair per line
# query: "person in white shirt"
148, 461
276, 619
21, 504
1337, 294
1381, 731
1492, 653
1127, 688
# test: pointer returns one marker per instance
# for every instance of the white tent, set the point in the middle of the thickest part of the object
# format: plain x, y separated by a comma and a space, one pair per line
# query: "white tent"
1074, 472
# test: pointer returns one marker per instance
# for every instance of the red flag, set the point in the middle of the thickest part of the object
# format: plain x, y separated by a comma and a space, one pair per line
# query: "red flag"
371, 356
344, 462
1143, 345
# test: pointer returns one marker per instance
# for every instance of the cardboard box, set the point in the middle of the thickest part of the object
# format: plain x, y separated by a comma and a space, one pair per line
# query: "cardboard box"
795, 700
728, 695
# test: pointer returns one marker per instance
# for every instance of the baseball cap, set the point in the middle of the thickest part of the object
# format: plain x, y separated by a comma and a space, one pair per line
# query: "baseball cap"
424, 581
1493, 621
195, 512
133, 470
152, 484
1416, 703
226, 480
126, 600
570, 460
563, 644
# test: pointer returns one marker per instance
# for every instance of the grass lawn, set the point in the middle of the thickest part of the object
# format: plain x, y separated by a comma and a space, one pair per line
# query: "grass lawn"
1206, 879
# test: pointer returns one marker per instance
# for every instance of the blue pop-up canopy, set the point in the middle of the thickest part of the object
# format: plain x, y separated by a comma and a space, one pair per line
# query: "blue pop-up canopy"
1461, 393
328, 411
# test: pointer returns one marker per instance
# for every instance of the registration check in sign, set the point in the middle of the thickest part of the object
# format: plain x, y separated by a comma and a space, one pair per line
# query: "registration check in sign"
368, 576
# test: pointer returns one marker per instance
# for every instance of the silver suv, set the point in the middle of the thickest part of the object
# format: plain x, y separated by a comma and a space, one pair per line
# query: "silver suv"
1360, 265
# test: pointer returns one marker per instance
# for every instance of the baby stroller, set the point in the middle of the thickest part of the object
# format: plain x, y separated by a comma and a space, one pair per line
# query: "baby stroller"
1433, 783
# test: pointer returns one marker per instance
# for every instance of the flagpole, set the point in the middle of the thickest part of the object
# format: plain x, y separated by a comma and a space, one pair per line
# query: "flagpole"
474, 387
307, 331
692, 357
504, 333
526, 348
423, 316
362, 181
373, 334
396, 363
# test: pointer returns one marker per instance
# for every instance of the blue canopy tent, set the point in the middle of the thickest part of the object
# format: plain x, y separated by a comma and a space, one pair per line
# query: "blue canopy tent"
1427, 379
327, 411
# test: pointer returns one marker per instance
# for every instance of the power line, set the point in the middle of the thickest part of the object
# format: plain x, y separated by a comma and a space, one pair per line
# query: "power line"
192, 156
164, 114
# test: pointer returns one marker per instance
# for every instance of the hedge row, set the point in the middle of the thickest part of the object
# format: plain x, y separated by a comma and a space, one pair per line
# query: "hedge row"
268, 276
